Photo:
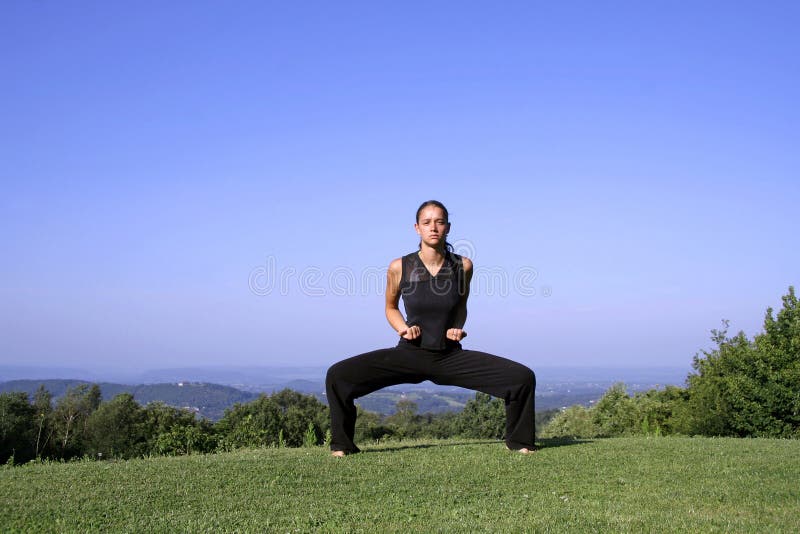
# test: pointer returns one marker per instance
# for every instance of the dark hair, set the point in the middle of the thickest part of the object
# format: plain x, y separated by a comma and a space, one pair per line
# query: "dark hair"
436, 203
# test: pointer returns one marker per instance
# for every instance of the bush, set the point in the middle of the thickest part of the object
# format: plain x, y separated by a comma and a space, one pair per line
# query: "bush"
482, 417
748, 388
618, 414
279, 420
370, 427
573, 422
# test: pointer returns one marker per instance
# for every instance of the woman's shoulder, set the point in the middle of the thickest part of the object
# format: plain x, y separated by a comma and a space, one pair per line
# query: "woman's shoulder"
396, 265
463, 260
410, 257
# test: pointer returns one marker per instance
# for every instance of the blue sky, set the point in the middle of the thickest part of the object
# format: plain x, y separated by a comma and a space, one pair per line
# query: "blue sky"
633, 166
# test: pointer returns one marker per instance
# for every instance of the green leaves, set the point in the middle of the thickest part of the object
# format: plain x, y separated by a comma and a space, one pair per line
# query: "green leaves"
742, 388
749, 388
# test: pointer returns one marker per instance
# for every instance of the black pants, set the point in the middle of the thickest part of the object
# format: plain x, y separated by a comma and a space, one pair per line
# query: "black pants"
407, 363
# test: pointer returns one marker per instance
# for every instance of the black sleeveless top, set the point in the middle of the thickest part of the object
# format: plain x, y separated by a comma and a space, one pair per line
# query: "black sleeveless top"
430, 301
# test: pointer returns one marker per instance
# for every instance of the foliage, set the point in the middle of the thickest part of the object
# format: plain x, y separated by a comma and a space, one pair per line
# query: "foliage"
742, 388
616, 414
613, 415
276, 420
173, 431
544, 417
255, 424
298, 411
655, 410
43, 413
70, 418
482, 417
114, 430
207, 400
370, 427
405, 423
749, 388
310, 437
572, 422
17, 437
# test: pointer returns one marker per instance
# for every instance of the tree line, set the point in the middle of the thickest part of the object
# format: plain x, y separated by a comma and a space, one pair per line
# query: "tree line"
80, 424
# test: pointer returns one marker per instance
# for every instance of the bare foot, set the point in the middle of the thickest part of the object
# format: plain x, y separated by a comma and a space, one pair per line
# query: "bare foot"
524, 450
338, 454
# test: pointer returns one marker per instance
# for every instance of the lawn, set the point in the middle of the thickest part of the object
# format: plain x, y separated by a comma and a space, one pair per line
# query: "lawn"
619, 485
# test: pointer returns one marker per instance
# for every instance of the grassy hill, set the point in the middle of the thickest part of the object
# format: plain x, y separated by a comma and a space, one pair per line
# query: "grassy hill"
620, 485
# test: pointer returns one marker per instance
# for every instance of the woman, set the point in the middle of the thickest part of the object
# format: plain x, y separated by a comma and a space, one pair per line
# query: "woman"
434, 283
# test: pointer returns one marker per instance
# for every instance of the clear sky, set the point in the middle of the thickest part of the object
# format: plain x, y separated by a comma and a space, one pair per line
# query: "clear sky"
624, 175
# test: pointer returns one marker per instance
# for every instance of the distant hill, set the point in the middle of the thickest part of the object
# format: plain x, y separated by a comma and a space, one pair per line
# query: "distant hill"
433, 401
211, 400
207, 400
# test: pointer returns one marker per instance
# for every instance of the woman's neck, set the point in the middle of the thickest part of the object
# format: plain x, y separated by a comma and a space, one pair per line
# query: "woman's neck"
431, 255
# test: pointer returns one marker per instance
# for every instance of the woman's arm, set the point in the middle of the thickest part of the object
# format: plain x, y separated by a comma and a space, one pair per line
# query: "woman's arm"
393, 314
456, 332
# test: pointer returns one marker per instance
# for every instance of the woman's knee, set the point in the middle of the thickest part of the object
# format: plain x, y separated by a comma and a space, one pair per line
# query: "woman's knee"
334, 372
531, 377
525, 376
349, 370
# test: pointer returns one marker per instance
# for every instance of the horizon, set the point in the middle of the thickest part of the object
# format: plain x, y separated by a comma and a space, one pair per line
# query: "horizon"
271, 375
200, 185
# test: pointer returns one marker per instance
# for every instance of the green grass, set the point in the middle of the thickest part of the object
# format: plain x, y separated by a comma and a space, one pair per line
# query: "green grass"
618, 485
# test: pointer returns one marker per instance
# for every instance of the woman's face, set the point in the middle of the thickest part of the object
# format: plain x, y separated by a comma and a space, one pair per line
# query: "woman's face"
432, 226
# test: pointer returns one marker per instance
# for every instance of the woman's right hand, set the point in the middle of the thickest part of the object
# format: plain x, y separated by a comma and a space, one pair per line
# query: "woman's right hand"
412, 332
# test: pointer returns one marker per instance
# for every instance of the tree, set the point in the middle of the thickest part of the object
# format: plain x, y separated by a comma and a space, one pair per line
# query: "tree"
70, 416
404, 422
613, 415
780, 347
43, 412
115, 430
169, 430
714, 400
16, 428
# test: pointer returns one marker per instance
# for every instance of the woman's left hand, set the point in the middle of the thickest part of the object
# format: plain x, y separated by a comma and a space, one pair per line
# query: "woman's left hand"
456, 334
